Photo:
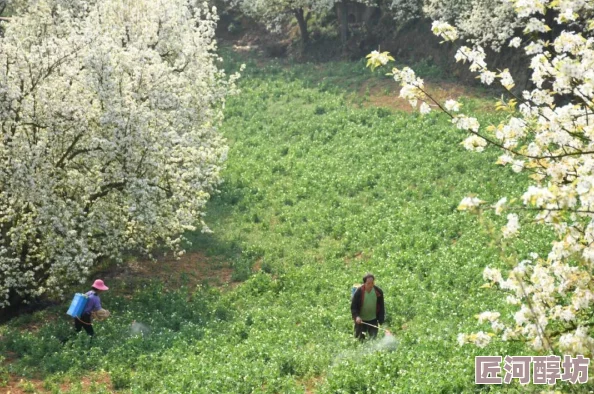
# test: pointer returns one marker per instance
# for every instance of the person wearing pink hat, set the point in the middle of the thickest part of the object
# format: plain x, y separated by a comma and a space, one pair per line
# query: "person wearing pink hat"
93, 305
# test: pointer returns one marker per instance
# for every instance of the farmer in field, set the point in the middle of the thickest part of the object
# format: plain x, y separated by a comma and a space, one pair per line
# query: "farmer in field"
367, 308
92, 309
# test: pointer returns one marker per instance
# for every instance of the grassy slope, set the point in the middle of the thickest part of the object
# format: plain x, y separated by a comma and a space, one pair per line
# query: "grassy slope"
316, 193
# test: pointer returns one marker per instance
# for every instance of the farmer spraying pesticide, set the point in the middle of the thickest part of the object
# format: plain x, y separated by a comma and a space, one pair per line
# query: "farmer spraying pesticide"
367, 308
92, 309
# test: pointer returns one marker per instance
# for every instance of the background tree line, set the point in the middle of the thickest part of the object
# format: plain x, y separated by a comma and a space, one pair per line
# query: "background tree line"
322, 30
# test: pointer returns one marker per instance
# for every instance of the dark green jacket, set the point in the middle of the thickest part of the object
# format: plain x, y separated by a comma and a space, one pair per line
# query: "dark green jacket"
357, 303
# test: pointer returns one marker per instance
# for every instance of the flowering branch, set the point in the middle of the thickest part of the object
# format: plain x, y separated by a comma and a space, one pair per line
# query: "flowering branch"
555, 144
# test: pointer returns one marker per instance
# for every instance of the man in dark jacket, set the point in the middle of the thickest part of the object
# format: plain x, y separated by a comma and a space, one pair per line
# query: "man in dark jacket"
367, 306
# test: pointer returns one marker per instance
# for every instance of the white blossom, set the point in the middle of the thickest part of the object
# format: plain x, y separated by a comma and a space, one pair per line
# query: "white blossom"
500, 206
452, 105
512, 226
444, 30
515, 42
424, 108
506, 79
474, 143
518, 165
481, 339
487, 77
536, 25
488, 316
464, 122
492, 274
469, 203
382, 58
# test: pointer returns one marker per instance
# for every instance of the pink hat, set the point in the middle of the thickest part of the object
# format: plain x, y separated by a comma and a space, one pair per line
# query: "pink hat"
99, 285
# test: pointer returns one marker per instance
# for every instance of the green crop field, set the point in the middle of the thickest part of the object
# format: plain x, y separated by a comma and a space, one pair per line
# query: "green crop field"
318, 189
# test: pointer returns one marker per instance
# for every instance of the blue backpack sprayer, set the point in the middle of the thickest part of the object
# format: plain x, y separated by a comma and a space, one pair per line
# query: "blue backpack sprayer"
78, 305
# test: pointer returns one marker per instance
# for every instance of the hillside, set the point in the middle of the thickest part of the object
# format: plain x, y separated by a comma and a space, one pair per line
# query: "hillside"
321, 186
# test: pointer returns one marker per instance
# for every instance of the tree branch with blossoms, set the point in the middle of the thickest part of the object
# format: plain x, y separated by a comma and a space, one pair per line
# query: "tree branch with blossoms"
548, 132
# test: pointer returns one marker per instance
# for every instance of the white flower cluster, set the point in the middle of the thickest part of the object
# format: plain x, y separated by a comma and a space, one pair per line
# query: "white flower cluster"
404, 10
108, 114
444, 30
480, 339
412, 86
481, 22
474, 143
464, 122
512, 226
469, 203
382, 58
539, 283
452, 105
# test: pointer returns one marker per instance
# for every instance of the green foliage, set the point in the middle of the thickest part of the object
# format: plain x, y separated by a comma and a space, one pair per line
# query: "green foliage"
316, 193
121, 378
332, 76
3, 372
426, 68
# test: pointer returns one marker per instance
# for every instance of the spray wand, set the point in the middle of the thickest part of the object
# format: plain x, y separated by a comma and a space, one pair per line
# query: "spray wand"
387, 331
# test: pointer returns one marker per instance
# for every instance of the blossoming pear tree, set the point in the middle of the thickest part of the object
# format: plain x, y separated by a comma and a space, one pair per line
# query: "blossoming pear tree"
548, 132
482, 22
108, 118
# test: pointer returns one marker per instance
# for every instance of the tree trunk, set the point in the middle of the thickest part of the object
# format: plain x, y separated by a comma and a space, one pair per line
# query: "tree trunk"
343, 12
299, 14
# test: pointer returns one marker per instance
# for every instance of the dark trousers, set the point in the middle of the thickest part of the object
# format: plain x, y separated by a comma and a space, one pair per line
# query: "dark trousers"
363, 330
84, 322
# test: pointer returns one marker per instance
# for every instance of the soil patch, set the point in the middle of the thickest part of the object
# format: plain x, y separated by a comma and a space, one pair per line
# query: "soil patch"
386, 95
19, 385
190, 269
